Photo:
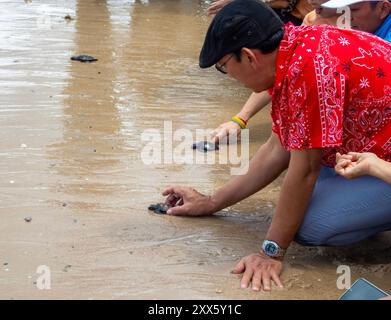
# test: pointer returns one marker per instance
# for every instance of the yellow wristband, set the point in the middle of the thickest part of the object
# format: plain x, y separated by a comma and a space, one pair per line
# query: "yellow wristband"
239, 121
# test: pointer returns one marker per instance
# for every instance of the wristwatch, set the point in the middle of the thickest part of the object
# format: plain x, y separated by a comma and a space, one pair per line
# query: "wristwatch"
272, 249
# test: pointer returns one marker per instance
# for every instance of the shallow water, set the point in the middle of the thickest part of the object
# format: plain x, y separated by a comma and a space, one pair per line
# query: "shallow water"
71, 159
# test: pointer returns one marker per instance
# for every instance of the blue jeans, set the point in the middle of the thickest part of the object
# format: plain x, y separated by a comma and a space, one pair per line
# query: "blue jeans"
342, 211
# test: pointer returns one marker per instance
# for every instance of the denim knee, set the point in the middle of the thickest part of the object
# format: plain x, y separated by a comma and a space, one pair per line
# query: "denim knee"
307, 237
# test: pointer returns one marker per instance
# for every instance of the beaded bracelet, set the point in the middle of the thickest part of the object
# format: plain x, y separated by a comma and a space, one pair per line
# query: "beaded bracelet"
242, 123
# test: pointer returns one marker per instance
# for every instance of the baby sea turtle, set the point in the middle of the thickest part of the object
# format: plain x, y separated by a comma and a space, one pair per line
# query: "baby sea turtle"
205, 146
84, 58
68, 18
159, 208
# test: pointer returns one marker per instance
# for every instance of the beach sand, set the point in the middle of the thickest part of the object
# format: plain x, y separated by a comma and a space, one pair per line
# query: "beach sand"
70, 162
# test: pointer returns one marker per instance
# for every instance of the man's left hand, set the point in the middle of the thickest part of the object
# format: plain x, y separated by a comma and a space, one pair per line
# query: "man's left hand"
260, 270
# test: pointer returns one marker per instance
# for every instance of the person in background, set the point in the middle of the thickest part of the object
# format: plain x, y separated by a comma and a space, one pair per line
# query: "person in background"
369, 16
292, 11
353, 165
320, 15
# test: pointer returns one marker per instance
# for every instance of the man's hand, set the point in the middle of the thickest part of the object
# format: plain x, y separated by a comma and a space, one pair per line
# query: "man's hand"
260, 270
226, 132
186, 201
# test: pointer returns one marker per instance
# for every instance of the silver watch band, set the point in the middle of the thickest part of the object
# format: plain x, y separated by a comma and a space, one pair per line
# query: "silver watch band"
272, 249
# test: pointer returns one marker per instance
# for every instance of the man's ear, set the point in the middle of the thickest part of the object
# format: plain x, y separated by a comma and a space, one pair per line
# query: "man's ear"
250, 56
385, 9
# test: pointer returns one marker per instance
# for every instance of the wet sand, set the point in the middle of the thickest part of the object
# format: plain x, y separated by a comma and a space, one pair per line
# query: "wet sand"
70, 160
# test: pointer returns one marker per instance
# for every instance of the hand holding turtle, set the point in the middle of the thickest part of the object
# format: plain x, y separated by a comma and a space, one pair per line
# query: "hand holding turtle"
185, 201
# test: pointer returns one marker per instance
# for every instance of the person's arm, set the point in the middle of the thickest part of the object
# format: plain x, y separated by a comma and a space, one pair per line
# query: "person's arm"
255, 103
295, 195
353, 165
381, 169
296, 192
267, 164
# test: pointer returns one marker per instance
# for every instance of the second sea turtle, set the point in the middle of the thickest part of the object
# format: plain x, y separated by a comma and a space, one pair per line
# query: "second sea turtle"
84, 58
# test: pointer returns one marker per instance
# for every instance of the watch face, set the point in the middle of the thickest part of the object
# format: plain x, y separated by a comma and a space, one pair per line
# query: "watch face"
271, 249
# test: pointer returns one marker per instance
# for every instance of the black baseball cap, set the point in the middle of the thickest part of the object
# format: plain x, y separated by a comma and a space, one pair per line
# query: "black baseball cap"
242, 23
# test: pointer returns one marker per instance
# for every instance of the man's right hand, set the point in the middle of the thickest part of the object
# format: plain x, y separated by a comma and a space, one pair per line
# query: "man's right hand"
185, 201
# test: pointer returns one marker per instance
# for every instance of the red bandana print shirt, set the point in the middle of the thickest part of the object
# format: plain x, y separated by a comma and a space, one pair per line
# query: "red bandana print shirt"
333, 91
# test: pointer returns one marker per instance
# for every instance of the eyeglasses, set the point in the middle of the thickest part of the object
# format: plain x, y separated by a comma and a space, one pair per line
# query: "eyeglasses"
222, 67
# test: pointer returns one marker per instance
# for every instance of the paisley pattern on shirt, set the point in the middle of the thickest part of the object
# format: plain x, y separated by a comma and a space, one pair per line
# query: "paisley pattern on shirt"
333, 91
